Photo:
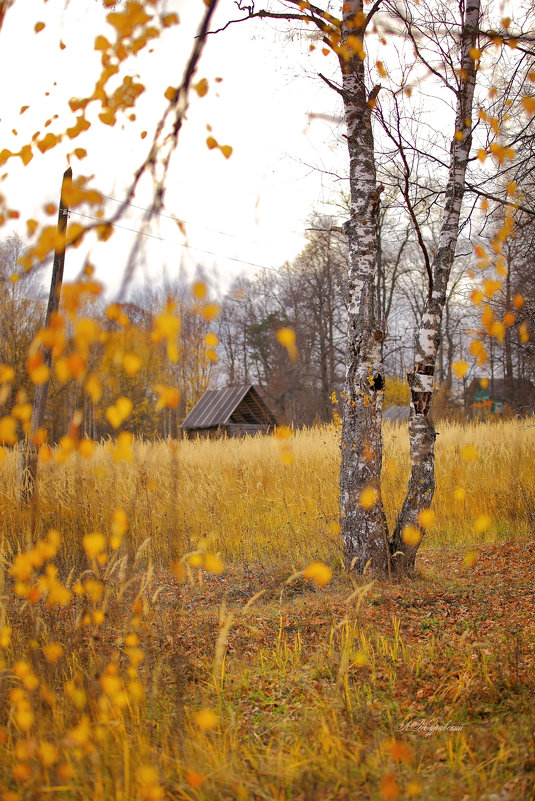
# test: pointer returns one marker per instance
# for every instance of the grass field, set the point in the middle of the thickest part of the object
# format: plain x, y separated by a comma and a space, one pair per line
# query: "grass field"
178, 651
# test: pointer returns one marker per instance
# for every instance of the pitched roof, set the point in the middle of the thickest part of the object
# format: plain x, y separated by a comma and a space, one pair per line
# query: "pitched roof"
396, 413
216, 406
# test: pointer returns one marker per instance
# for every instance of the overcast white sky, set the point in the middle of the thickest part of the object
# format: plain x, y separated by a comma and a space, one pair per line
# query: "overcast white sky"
249, 210
241, 214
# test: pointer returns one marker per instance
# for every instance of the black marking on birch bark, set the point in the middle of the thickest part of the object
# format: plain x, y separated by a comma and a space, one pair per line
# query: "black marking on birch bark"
377, 383
424, 369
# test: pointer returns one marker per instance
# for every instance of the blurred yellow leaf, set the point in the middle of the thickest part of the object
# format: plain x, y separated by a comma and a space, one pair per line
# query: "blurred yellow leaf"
169, 19
213, 563
482, 523
470, 558
206, 720
469, 453
170, 93
201, 87
411, 535
460, 368
368, 497
318, 572
123, 449
53, 651
94, 544
7, 374
426, 518
8, 430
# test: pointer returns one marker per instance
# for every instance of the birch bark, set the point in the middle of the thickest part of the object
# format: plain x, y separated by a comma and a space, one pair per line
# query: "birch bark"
422, 433
364, 530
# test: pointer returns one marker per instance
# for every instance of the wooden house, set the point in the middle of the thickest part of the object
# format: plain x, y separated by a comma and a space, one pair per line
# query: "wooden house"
235, 411
492, 396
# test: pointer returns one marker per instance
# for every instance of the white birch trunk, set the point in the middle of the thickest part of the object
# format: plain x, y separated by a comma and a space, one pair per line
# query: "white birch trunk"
364, 530
421, 429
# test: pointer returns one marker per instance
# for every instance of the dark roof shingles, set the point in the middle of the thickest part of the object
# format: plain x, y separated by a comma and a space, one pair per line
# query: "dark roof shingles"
215, 407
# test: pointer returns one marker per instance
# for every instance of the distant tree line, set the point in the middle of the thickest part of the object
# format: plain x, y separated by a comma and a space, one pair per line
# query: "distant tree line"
307, 295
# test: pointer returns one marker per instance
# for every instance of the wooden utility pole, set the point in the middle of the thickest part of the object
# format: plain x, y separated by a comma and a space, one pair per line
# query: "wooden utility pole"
29, 472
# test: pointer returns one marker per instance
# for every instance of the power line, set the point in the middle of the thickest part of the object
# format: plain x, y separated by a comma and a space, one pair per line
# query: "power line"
195, 225
178, 244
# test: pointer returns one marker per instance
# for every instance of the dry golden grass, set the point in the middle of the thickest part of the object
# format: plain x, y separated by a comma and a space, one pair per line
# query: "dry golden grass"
240, 498
121, 679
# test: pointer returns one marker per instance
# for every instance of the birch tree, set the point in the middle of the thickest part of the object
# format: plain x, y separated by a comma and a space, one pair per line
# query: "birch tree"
422, 433
366, 539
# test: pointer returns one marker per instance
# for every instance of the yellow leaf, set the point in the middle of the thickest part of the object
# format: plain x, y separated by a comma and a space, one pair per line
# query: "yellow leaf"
283, 432
26, 154
123, 449
38, 26
49, 141
368, 497
470, 558
171, 93
529, 104
8, 431
131, 364
168, 397
469, 453
53, 651
48, 753
7, 374
213, 563
86, 448
411, 535
389, 789
318, 572
79, 127
413, 788
482, 523
498, 330
166, 326
460, 368
119, 522
426, 518
286, 337
92, 387
206, 720
201, 87
198, 290
94, 544
196, 559
169, 19
459, 493
126, 21
101, 43
226, 150
380, 69
210, 311
211, 143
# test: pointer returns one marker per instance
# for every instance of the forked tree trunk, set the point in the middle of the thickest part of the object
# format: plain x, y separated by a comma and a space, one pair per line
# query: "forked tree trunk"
422, 433
364, 529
